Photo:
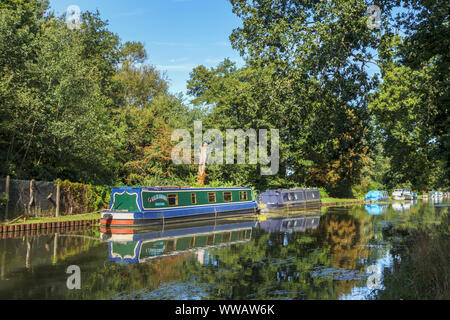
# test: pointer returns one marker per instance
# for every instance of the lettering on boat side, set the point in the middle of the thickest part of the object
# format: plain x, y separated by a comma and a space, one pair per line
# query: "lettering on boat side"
157, 197
257, 147
73, 281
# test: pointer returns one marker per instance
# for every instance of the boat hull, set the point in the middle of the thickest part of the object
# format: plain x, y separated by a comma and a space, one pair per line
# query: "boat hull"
149, 217
270, 207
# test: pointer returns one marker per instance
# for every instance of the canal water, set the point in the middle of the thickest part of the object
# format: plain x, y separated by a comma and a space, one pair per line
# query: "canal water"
391, 251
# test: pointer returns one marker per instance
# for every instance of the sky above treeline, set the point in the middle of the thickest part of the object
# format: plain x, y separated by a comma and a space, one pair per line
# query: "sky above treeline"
178, 34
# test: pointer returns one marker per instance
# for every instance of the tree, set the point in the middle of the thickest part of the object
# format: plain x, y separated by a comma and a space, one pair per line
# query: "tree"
54, 121
412, 104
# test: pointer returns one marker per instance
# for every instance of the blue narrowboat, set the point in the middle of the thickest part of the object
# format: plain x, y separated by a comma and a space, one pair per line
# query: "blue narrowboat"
298, 198
140, 206
375, 195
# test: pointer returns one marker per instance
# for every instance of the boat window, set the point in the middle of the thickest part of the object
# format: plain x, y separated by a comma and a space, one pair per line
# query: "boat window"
243, 195
172, 199
285, 197
194, 198
227, 197
211, 197
300, 196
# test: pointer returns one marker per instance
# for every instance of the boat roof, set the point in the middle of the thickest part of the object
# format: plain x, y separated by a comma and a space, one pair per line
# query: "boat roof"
277, 191
177, 188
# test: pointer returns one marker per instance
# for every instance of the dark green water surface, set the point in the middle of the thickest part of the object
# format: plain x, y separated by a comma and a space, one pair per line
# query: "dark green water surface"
393, 251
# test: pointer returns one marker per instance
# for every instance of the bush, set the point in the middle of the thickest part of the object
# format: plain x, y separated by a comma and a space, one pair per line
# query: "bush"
323, 193
83, 198
3, 199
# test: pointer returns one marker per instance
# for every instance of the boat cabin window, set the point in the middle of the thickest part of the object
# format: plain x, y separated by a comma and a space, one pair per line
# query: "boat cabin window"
292, 197
243, 195
227, 197
308, 195
300, 196
211, 197
194, 198
285, 197
172, 199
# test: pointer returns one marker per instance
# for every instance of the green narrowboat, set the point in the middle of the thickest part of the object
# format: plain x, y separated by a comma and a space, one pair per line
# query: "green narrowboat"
137, 206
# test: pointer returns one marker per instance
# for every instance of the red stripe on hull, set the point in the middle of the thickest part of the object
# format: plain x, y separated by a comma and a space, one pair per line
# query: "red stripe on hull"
117, 231
117, 222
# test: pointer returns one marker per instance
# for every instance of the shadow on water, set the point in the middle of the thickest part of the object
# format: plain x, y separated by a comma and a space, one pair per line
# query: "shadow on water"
374, 251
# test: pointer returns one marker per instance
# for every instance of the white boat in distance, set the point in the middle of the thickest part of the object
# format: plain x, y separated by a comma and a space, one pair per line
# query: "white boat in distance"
398, 194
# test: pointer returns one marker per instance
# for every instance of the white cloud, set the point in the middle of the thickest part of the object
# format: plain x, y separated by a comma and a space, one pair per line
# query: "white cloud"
176, 67
175, 60
213, 60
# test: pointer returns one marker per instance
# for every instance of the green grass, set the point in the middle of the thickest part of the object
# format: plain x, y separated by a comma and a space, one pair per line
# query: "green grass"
328, 200
88, 216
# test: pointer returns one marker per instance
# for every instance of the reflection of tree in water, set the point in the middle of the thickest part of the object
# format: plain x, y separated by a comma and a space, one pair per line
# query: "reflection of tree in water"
347, 237
420, 265
264, 268
269, 266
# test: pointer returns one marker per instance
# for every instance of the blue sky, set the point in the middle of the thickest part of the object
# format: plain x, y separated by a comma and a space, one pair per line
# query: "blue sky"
178, 34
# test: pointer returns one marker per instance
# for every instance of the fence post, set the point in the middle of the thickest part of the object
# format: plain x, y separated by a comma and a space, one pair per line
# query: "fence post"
31, 202
7, 197
57, 199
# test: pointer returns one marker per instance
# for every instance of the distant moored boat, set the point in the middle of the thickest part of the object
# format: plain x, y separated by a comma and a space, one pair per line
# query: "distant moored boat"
375, 195
297, 198
398, 194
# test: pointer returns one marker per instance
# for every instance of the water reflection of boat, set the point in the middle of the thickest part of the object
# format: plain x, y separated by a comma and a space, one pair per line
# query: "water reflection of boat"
403, 206
298, 223
376, 209
172, 240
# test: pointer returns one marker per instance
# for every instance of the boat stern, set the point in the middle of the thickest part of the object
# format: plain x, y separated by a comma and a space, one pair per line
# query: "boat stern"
115, 218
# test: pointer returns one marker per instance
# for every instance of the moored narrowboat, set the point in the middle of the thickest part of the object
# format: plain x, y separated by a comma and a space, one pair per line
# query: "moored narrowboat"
398, 194
140, 206
291, 199
407, 194
375, 195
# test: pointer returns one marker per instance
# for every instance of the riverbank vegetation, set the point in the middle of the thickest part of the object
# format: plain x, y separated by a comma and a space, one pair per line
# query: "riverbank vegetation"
357, 109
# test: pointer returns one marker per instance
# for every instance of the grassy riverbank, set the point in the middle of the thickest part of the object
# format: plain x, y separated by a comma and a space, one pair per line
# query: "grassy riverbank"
90, 216
78, 217
330, 200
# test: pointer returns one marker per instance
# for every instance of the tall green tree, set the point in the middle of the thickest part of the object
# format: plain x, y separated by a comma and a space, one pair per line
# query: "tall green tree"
54, 118
412, 104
